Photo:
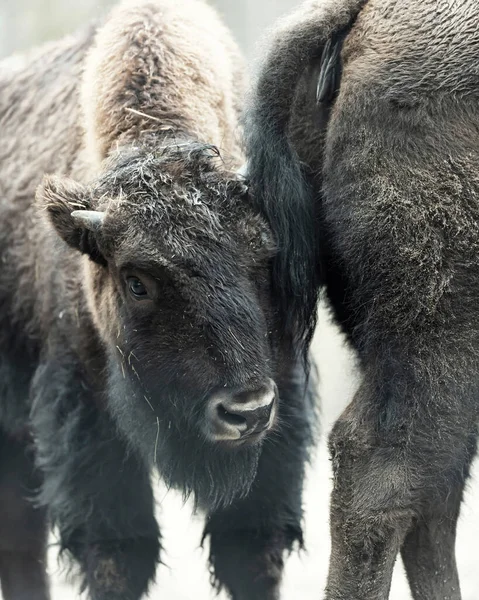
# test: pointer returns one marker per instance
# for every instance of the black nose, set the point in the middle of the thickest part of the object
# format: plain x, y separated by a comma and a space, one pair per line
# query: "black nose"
232, 416
244, 419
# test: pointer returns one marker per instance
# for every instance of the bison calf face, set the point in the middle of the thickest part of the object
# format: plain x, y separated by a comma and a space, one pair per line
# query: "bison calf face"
178, 287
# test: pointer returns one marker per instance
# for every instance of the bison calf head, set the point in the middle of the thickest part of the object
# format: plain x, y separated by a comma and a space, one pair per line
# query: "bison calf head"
178, 288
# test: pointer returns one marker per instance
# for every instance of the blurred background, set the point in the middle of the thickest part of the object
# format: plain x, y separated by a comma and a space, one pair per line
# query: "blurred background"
184, 575
27, 22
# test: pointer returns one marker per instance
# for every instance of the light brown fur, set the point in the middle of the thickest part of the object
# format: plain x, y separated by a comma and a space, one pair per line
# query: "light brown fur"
81, 88
200, 87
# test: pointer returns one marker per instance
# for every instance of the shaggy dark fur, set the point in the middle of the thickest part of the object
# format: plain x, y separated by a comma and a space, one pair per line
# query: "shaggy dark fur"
282, 185
112, 386
391, 174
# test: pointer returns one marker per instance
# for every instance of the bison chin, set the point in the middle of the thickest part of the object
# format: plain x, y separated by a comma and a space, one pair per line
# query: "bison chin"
213, 475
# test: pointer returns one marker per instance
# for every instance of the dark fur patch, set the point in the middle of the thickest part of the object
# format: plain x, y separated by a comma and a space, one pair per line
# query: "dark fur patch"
280, 185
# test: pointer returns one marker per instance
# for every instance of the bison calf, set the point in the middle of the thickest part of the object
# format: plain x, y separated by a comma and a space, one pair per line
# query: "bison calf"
137, 324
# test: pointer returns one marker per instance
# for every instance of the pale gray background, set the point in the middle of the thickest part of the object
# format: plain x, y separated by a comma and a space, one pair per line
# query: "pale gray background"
27, 22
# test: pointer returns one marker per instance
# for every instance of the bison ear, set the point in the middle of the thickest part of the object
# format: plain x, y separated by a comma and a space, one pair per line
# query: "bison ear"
67, 204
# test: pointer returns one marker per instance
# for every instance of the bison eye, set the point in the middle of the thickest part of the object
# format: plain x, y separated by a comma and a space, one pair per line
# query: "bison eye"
137, 289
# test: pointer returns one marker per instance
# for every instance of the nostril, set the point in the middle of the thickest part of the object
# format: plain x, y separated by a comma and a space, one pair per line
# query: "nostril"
261, 417
233, 414
231, 418
246, 421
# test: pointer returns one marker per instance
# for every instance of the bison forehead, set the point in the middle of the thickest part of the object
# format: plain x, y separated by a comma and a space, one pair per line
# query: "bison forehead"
181, 231
173, 176
201, 208
197, 245
178, 212
198, 253
185, 214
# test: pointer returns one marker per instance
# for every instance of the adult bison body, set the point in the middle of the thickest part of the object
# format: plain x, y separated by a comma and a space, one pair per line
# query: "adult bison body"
137, 325
372, 188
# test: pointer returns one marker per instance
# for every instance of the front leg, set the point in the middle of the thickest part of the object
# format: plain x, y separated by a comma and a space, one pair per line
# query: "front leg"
248, 540
98, 493
23, 526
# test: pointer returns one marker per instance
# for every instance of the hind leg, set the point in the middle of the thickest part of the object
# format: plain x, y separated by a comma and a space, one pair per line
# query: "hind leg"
23, 528
248, 540
428, 551
428, 554
398, 452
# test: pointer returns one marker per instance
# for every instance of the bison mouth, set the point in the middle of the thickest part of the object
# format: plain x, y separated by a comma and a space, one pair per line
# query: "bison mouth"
165, 435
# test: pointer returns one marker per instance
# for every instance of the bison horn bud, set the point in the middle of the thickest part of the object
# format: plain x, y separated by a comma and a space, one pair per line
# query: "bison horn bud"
89, 219
242, 172
242, 176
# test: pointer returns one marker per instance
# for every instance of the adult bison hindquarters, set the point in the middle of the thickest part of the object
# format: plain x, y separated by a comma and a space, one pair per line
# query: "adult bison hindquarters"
137, 324
386, 210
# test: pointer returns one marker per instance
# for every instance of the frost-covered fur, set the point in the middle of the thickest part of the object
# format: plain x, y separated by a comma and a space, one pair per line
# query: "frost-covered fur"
136, 119
389, 171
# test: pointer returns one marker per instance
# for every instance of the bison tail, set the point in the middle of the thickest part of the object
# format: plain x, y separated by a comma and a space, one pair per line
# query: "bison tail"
277, 181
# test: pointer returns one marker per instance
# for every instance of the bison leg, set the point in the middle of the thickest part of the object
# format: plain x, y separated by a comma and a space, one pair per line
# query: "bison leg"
98, 492
101, 500
429, 557
399, 449
428, 551
23, 528
248, 540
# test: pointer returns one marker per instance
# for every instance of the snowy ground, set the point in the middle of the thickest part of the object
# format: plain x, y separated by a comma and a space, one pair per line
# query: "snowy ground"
186, 578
